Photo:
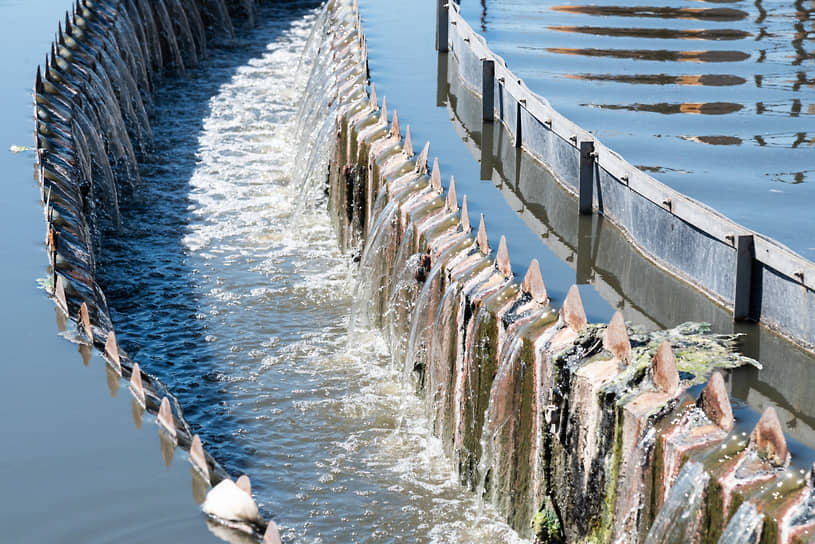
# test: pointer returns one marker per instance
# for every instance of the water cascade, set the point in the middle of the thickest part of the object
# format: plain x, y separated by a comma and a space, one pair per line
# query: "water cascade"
573, 431
569, 430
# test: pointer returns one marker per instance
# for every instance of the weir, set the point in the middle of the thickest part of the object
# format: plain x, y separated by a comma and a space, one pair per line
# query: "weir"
570, 430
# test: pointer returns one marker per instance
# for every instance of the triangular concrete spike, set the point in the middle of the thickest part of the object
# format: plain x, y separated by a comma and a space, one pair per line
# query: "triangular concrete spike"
407, 149
452, 199
197, 456
272, 534
502, 258
435, 177
768, 438
616, 338
715, 402
663, 369
53, 55
136, 385
395, 133
572, 310
383, 114
59, 294
38, 86
374, 105
165, 417
421, 162
68, 28
112, 351
481, 238
47, 70
85, 321
465, 215
533, 284
60, 35
245, 484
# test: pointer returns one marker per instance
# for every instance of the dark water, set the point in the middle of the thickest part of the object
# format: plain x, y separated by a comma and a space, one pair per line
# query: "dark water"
714, 98
227, 283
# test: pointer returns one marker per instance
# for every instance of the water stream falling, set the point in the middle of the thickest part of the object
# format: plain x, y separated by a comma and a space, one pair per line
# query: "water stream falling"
226, 282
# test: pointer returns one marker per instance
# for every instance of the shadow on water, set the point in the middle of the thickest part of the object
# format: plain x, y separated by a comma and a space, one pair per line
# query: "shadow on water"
603, 258
153, 285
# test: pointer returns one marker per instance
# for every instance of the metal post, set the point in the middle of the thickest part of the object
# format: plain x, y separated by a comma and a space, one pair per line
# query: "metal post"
442, 19
518, 139
488, 89
586, 182
745, 255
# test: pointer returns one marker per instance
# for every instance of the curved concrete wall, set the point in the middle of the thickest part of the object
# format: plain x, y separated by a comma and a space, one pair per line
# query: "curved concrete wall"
755, 277
574, 431
93, 99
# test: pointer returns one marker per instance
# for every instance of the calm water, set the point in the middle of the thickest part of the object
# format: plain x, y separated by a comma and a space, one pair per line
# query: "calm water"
715, 98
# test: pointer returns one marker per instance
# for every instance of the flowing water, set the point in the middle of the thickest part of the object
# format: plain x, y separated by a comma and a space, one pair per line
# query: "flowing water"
714, 98
226, 283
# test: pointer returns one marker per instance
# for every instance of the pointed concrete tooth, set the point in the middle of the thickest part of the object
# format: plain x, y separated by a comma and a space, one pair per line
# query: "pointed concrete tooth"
47, 69
616, 339
112, 351
197, 456
165, 417
407, 149
53, 56
51, 238
245, 484
395, 127
452, 199
421, 162
435, 177
502, 258
136, 385
68, 27
85, 321
533, 284
481, 238
663, 368
38, 86
59, 295
465, 215
715, 402
572, 310
768, 438
272, 534
60, 35
383, 115
374, 105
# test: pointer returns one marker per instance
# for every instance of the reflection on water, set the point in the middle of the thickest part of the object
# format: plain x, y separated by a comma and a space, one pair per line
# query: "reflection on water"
626, 73
657, 12
602, 257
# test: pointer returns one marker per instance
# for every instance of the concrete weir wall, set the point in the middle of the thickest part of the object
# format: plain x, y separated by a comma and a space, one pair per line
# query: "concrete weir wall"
755, 277
576, 432
92, 104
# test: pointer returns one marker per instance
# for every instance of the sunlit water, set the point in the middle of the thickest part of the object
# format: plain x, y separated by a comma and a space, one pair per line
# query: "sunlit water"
715, 97
233, 293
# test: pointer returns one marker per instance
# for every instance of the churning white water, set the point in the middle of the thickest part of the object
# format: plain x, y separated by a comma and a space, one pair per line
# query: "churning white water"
226, 282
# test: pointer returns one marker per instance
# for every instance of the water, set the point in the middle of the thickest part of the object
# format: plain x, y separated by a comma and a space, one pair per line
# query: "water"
74, 466
229, 288
713, 98
220, 308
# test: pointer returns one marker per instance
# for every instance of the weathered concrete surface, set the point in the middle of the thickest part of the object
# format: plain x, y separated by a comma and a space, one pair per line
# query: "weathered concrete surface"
575, 430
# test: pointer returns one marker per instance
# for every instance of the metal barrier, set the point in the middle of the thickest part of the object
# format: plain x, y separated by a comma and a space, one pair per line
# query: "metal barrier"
754, 276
